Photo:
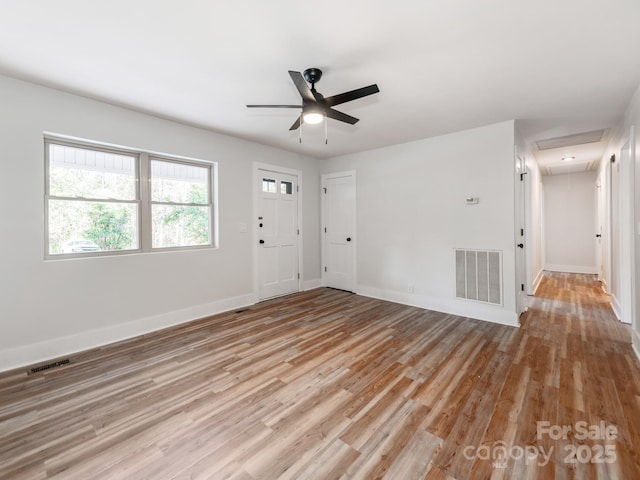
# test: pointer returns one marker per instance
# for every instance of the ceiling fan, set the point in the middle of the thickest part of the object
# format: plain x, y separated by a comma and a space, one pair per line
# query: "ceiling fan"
315, 107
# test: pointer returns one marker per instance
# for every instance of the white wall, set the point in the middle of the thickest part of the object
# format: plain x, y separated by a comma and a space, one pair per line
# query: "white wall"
625, 229
51, 308
570, 222
411, 214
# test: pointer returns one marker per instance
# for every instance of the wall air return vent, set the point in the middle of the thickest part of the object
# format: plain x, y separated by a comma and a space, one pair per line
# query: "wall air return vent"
571, 140
479, 275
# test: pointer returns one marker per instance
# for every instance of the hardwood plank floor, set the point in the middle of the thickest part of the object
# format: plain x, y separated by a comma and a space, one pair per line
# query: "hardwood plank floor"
325, 384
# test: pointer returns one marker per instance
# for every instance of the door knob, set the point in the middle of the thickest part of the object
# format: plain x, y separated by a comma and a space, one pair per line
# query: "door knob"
520, 245
598, 235
261, 242
348, 239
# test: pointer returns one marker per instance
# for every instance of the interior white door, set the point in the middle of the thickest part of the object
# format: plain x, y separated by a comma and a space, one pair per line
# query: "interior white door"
521, 177
277, 227
339, 230
600, 228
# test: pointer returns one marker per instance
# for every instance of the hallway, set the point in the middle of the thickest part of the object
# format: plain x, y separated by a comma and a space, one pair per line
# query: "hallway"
573, 363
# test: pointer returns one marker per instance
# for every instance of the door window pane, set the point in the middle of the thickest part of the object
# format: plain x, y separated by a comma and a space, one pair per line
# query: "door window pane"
286, 188
268, 185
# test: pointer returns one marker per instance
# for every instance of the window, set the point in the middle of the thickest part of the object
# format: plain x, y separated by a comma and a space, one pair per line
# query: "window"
180, 204
95, 203
93, 199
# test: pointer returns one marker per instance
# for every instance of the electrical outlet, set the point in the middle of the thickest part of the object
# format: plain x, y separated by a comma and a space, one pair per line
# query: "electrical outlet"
410, 288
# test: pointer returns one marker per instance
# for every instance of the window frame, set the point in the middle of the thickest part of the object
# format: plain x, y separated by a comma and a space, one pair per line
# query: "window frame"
151, 202
142, 201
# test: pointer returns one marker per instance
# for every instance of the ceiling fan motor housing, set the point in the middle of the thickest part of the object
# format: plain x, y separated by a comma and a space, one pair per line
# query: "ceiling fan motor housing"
312, 75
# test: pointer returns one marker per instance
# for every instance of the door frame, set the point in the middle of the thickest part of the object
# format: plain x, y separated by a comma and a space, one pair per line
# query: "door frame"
323, 216
626, 243
603, 220
608, 255
265, 167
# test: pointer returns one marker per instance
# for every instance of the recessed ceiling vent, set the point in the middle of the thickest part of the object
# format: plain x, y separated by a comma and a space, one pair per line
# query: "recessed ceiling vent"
569, 168
594, 136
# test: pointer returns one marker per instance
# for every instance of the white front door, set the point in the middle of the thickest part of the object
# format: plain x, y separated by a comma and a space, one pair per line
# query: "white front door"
277, 232
339, 230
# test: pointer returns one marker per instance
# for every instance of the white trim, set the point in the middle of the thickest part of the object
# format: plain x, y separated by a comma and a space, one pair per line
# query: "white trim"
528, 231
475, 310
592, 269
64, 346
257, 166
604, 286
536, 282
635, 343
608, 222
616, 307
311, 284
627, 227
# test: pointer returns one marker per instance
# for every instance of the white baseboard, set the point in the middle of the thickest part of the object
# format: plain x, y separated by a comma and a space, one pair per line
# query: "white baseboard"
635, 342
64, 346
536, 282
477, 310
552, 267
605, 286
616, 307
311, 284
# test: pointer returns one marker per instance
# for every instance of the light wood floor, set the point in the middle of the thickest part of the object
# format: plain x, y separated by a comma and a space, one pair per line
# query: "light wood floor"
326, 384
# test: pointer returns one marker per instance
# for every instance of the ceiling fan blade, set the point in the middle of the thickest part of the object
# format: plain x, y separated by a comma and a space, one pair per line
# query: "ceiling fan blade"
352, 95
296, 124
342, 117
274, 106
301, 85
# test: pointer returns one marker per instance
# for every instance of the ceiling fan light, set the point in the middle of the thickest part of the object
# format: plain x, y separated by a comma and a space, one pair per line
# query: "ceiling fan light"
313, 117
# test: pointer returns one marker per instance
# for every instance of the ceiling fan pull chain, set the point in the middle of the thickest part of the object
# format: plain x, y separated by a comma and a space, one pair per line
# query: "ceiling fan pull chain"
300, 129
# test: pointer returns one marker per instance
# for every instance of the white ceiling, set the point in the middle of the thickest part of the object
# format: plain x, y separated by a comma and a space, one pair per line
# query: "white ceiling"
561, 66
